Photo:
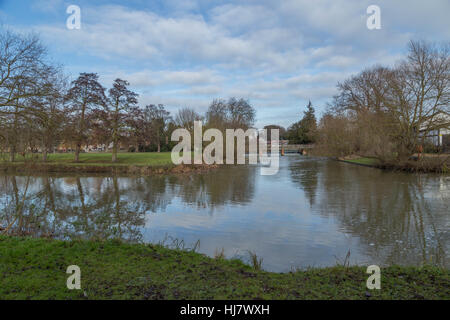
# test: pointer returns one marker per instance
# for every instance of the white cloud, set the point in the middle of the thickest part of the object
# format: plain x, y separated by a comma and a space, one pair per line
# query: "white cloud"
279, 54
147, 78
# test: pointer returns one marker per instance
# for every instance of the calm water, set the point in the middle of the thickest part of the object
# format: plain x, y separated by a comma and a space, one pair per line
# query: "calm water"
311, 213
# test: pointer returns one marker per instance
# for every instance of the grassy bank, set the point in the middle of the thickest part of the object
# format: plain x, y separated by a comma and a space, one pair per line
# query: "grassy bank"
127, 163
36, 269
372, 162
97, 159
428, 164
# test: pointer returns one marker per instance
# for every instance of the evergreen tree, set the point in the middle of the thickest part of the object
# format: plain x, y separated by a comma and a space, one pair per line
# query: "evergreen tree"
303, 131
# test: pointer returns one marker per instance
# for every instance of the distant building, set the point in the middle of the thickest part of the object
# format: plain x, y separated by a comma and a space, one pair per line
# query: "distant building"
441, 137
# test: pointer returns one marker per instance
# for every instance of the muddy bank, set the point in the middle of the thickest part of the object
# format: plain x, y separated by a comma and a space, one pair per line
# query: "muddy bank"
424, 165
33, 168
415, 167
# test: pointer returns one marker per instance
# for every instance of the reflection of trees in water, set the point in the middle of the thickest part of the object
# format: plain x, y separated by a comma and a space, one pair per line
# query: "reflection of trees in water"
109, 207
105, 214
306, 174
16, 213
221, 187
50, 210
387, 211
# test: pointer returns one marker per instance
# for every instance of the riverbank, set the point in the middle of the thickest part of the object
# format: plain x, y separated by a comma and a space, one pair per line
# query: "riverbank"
127, 163
364, 161
428, 164
36, 269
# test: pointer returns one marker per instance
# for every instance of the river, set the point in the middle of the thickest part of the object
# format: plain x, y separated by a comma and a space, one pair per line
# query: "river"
313, 213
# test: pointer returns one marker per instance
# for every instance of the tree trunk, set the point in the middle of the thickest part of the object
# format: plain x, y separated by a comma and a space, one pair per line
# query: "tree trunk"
44, 155
115, 134
80, 134
12, 153
159, 143
114, 152
77, 152
12, 150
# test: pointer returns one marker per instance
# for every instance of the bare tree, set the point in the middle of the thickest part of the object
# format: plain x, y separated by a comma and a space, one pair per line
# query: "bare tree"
22, 66
231, 114
85, 94
217, 114
157, 117
120, 100
241, 113
49, 112
405, 103
420, 98
185, 118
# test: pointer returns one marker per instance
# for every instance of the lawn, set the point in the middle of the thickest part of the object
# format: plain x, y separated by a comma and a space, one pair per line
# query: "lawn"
364, 161
36, 269
102, 159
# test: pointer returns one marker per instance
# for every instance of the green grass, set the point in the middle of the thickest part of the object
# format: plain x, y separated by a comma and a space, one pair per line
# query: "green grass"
364, 161
36, 269
100, 159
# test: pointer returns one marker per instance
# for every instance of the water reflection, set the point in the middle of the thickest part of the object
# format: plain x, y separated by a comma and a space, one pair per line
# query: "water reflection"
109, 207
307, 176
311, 212
93, 208
398, 217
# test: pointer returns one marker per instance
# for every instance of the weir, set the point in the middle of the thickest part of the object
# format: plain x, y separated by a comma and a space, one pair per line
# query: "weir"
292, 148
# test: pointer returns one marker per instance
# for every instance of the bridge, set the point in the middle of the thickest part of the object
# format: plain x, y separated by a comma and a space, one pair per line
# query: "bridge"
292, 148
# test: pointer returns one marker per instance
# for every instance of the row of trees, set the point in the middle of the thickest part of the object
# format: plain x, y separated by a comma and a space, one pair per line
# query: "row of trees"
40, 110
389, 112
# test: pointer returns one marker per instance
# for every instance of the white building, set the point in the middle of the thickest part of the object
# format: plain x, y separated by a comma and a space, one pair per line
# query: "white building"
441, 137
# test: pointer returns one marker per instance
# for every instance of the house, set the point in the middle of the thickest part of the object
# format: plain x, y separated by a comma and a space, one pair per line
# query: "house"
440, 137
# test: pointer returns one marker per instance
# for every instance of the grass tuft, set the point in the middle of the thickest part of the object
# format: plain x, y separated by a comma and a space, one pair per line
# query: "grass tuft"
255, 261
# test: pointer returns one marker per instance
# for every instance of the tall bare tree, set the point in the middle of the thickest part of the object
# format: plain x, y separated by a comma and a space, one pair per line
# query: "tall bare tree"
22, 65
85, 95
49, 111
120, 100
420, 99
405, 103
231, 114
157, 117
185, 118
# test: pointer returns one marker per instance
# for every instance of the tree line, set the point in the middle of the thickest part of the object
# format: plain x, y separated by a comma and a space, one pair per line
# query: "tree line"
391, 112
41, 110
385, 112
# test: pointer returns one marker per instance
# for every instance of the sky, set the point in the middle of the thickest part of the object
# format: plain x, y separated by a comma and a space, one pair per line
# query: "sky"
185, 53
